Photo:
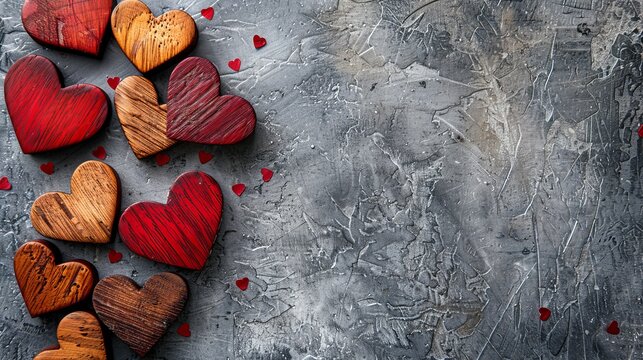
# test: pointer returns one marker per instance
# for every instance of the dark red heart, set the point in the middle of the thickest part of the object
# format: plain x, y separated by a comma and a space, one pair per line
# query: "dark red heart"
208, 13
238, 189
46, 117
114, 256
182, 232
100, 153
197, 112
613, 328
243, 283
184, 330
74, 25
235, 64
162, 159
266, 174
5, 184
258, 41
544, 313
205, 156
113, 82
641, 131
47, 168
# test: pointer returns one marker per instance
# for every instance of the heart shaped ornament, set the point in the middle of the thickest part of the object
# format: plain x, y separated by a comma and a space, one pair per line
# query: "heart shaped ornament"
77, 25
197, 112
79, 337
143, 120
140, 315
48, 287
150, 41
86, 214
180, 233
46, 116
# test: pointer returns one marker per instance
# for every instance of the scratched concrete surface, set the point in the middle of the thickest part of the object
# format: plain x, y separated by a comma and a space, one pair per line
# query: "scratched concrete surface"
442, 170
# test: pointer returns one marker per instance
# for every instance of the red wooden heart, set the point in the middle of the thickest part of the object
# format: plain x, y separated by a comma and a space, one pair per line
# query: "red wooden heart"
197, 112
5, 184
208, 13
181, 232
46, 117
77, 25
235, 64
259, 41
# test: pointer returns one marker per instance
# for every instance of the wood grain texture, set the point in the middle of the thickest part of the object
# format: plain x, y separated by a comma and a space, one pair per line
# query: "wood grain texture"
150, 41
48, 287
140, 316
77, 25
80, 337
196, 110
143, 120
46, 116
88, 213
180, 233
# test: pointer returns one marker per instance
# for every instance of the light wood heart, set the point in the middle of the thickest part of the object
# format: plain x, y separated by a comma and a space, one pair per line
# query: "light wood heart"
143, 120
150, 41
80, 337
87, 214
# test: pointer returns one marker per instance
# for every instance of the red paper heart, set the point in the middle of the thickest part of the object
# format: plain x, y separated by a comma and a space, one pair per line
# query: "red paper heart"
544, 313
238, 189
100, 153
197, 112
180, 233
205, 156
258, 41
613, 328
184, 330
208, 13
113, 82
162, 159
47, 168
74, 25
243, 283
266, 174
235, 64
114, 256
46, 117
5, 184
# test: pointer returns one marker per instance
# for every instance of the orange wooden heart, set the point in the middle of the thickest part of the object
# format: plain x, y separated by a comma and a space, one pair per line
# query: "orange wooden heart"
48, 287
150, 41
143, 120
80, 337
88, 213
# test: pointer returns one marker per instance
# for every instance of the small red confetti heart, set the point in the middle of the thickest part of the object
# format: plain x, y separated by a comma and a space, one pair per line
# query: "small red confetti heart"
641, 131
113, 82
47, 168
238, 189
162, 159
544, 313
258, 41
243, 283
266, 174
184, 330
613, 328
114, 256
100, 153
205, 156
208, 13
5, 184
235, 64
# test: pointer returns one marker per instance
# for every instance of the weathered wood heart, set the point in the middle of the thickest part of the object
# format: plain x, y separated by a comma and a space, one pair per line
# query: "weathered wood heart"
77, 25
80, 337
143, 120
140, 316
150, 41
88, 213
180, 233
196, 110
46, 116
47, 287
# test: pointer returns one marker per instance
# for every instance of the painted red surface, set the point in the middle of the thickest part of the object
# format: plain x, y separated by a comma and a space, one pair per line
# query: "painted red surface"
197, 112
100, 153
258, 41
544, 313
77, 25
238, 189
266, 174
162, 159
180, 233
5, 184
205, 156
243, 283
114, 256
613, 328
47, 168
46, 117
208, 13
113, 82
184, 330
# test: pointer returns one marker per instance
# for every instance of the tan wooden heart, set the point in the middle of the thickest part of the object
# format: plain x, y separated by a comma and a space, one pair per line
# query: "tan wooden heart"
80, 337
88, 213
150, 41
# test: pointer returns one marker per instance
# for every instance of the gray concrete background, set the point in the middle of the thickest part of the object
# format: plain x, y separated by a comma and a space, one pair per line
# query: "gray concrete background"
442, 170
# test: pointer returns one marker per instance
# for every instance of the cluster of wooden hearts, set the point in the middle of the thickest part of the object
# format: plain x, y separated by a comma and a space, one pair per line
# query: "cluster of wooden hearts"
181, 232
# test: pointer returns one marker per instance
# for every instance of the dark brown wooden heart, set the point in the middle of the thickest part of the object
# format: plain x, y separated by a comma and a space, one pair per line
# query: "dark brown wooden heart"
140, 315
48, 287
80, 337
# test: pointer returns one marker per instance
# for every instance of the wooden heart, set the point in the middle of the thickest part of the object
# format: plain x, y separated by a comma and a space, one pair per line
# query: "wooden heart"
198, 113
144, 121
88, 213
148, 41
77, 25
46, 117
80, 337
140, 316
48, 287
180, 233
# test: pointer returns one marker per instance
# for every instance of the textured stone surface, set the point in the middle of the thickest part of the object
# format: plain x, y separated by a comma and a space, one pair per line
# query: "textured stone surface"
442, 170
